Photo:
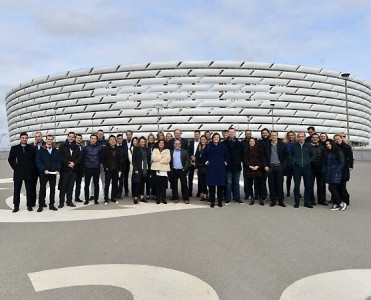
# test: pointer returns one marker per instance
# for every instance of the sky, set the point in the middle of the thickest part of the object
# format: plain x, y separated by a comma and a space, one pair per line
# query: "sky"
39, 38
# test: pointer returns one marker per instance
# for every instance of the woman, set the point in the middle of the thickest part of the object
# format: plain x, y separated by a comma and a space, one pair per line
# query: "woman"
332, 172
150, 181
253, 160
348, 166
140, 169
215, 157
160, 136
169, 136
323, 138
289, 140
134, 143
201, 168
161, 165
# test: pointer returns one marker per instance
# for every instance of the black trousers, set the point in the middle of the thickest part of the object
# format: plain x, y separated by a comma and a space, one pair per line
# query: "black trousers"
161, 186
255, 182
121, 184
317, 176
202, 180
182, 176
220, 192
263, 186
289, 173
126, 179
17, 192
191, 174
138, 187
111, 176
44, 179
33, 192
151, 183
66, 184
89, 173
344, 195
335, 195
275, 181
79, 175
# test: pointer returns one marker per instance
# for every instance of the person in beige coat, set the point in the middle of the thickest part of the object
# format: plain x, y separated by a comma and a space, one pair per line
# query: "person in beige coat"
161, 164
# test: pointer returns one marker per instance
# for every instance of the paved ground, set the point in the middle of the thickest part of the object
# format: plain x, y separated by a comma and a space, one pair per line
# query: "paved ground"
240, 252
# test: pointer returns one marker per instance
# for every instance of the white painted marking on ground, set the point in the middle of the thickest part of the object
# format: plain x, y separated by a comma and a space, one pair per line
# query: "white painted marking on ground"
6, 180
339, 285
144, 282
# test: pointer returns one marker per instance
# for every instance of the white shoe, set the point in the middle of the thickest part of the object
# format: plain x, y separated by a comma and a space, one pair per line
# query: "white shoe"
335, 207
343, 206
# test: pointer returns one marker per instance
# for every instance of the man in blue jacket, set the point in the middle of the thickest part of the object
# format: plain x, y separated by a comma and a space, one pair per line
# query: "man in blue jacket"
92, 161
301, 155
48, 161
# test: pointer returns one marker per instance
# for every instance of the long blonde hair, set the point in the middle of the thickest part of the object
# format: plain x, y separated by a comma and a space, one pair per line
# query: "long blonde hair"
286, 138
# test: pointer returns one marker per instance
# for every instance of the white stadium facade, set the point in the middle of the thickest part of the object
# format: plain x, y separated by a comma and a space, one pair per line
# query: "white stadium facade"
190, 95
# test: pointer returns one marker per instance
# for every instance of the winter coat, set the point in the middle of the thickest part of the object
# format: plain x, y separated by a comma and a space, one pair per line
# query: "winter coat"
333, 167
160, 160
236, 152
92, 156
349, 161
281, 151
48, 162
137, 161
319, 152
22, 164
253, 157
218, 158
67, 156
112, 158
301, 156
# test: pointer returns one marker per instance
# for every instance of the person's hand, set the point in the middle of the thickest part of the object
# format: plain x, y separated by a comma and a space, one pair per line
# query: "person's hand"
266, 169
136, 172
71, 164
207, 163
196, 171
350, 169
56, 173
119, 173
46, 172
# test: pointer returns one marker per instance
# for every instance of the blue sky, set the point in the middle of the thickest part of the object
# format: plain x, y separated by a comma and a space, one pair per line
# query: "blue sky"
44, 37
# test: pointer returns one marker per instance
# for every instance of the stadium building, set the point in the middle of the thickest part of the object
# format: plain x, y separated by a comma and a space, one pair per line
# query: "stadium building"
190, 95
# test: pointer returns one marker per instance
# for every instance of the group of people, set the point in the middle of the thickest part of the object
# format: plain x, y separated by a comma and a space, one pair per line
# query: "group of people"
155, 163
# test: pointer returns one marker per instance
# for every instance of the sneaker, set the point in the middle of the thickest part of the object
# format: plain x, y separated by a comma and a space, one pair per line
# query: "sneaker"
240, 202
343, 206
227, 202
114, 201
335, 207
105, 202
144, 200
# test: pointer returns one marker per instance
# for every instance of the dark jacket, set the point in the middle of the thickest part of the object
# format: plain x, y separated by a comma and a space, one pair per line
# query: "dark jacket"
184, 157
124, 156
218, 158
332, 167
67, 156
92, 156
236, 152
112, 158
253, 157
48, 162
281, 151
183, 143
137, 161
349, 161
319, 152
301, 156
22, 164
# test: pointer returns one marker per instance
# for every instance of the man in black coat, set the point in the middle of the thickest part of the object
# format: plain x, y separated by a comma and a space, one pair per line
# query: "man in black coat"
179, 165
126, 144
274, 161
319, 152
79, 169
22, 161
37, 143
178, 137
124, 164
71, 159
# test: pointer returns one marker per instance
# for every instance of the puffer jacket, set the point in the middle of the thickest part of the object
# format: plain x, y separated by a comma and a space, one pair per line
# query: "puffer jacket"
161, 160
92, 156
319, 152
333, 167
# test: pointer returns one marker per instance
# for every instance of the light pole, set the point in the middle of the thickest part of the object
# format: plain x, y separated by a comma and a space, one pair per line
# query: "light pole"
92, 129
55, 122
346, 76
272, 105
158, 106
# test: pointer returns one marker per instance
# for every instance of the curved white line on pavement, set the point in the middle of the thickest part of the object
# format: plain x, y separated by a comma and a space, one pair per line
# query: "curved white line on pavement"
339, 285
144, 282
67, 214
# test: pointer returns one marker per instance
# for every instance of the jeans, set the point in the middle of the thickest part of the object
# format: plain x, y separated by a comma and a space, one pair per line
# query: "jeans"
233, 185
317, 176
89, 173
304, 172
44, 178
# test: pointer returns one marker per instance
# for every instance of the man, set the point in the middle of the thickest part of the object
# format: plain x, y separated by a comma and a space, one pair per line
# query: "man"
48, 161
124, 158
102, 142
311, 130
236, 152
263, 143
111, 161
22, 161
127, 142
80, 169
37, 143
274, 161
193, 145
245, 143
178, 137
71, 159
319, 152
225, 135
208, 135
92, 158
179, 165
301, 155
